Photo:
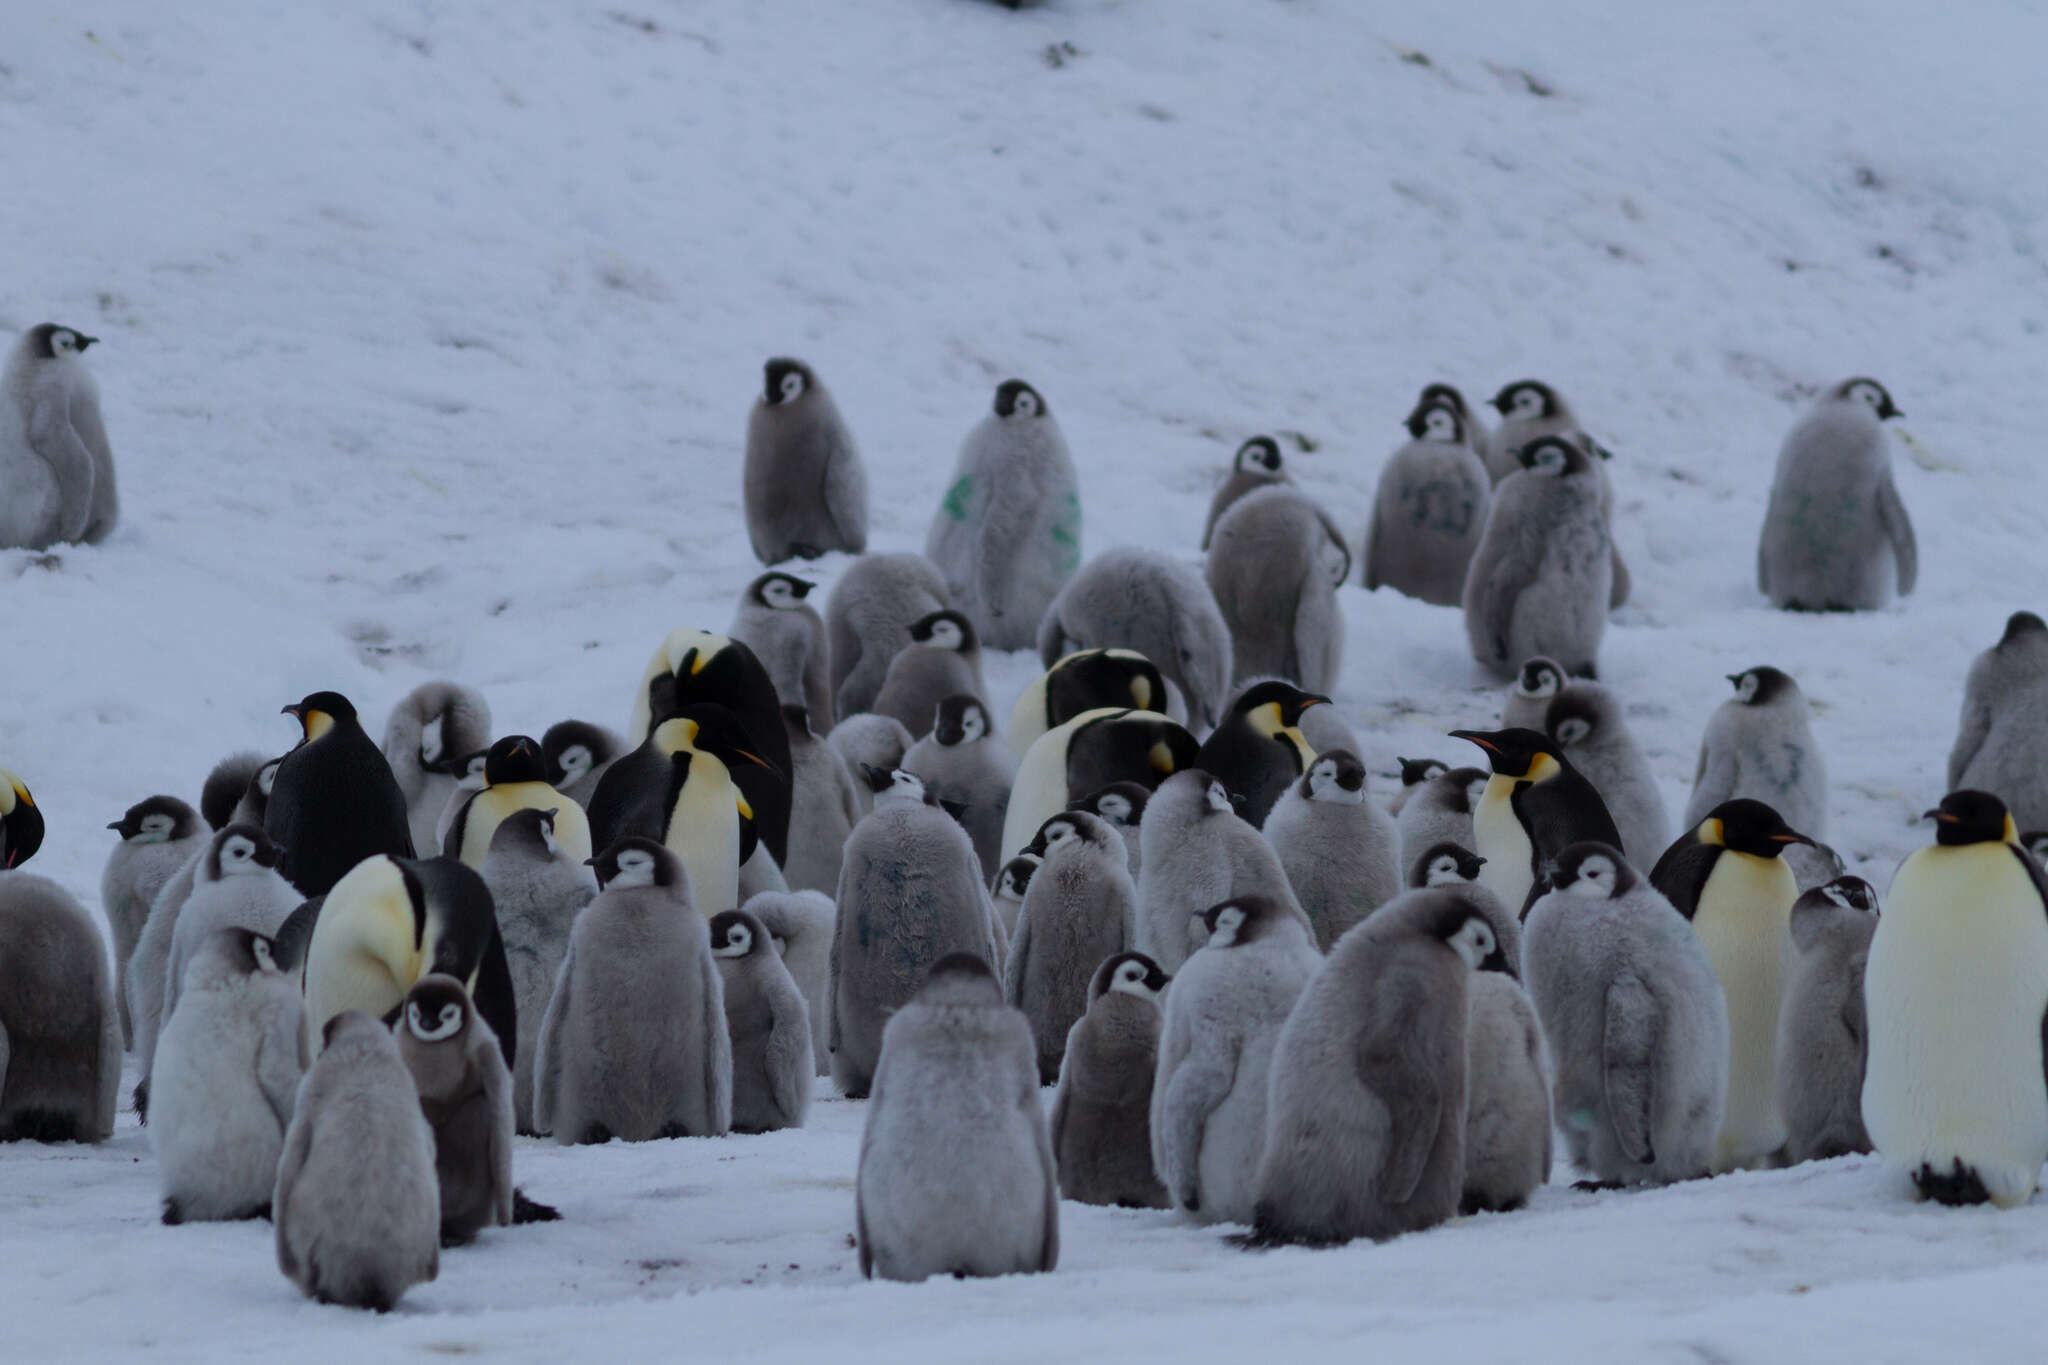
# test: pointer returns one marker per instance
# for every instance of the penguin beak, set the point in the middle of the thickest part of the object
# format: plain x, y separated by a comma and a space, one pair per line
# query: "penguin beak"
85, 341
292, 710
113, 824
1735, 678
1790, 838
591, 862
1939, 816
1485, 744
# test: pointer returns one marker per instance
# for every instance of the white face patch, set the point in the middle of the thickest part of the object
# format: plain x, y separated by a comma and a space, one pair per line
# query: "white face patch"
1439, 425
1474, 942
1219, 799
237, 856
1745, 691
64, 342
473, 775
1115, 808
442, 1025
1549, 460
156, 829
792, 385
261, 950
946, 635
1229, 921
1058, 834
781, 945
1024, 405
1130, 979
576, 761
1443, 871
1546, 684
908, 784
1596, 879
973, 725
1526, 403
1868, 393
739, 941
1474, 791
1573, 729
547, 837
1010, 884
265, 776
430, 741
1324, 786
636, 868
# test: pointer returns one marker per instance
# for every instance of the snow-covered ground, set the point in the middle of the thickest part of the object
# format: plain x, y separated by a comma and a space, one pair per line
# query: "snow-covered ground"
430, 332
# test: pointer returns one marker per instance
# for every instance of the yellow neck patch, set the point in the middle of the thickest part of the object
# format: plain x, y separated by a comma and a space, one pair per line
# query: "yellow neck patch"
317, 723
674, 736
1141, 692
1161, 757
1541, 769
1710, 832
2012, 831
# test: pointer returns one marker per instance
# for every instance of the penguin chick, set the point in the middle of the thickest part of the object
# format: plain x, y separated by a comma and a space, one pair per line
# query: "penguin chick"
1007, 533
1155, 605
1430, 508
1540, 580
1080, 908
868, 618
800, 927
228, 783
1440, 812
1760, 745
866, 741
429, 735
1089, 680
515, 778
577, 752
355, 1205
769, 1023
1365, 1132
825, 805
1256, 465
1012, 884
2001, 745
1529, 696
962, 761
1101, 1117
1536, 804
788, 636
1415, 774
537, 888
1836, 536
227, 1072
1822, 1038
334, 801
21, 823
1259, 749
1198, 852
1531, 409
943, 659
466, 1094
1122, 804
1337, 847
56, 468
956, 1168
1508, 1082
60, 1032
1274, 569
158, 836
806, 488
1586, 722
1445, 864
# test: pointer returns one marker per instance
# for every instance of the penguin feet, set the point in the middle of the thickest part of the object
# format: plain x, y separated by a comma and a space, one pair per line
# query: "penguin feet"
1599, 1186
525, 1210
1960, 1185
173, 1215
42, 1125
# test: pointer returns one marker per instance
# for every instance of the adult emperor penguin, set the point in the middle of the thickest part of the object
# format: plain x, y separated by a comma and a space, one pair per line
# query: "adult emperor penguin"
825, 804
537, 889
1080, 909
1156, 605
806, 488
1540, 580
800, 925
1636, 1020
1728, 878
515, 778
577, 754
1586, 721
60, 1032
1339, 848
356, 1207
943, 659
1536, 804
788, 636
1365, 1130
769, 1024
868, 618
1836, 536
334, 801
428, 737
1102, 1115
56, 468
466, 1094
1198, 853
962, 761
1007, 534
1440, 812
2002, 739
1258, 749
1528, 699
1085, 755
1256, 465
1088, 680
1822, 1030
1430, 508
1956, 993
159, 835
21, 823
1759, 744
956, 1168
1274, 570
1223, 1016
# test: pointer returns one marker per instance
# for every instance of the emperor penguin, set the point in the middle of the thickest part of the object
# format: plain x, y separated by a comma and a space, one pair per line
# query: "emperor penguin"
21, 822
634, 1044
868, 618
1727, 877
469, 780
228, 783
515, 778
2002, 739
825, 804
1102, 1113
159, 835
1007, 534
1153, 604
1224, 1013
427, 739
1122, 804
1081, 908
577, 754
963, 762
227, 1073
356, 1203
1445, 864
1586, 721
334, 801
788, 636
910, 893
60, 1032
943, 659
1836, 536
466, 1094
1823, 1039
1256, 465
1087, 680
1529, 696
1258, 749
56, 468
866, 741
1540, 580
1636, 1020
1339, 848
1085, 755
1759, 744
1012, 885
537, 887
956, 1170
1199, 852
1430, 508
806, 488
1536, 804
1415, 773
1956, 995
1508, 1078
1274, 569
769, 1024
1440, 812
800, 926
1531, 409
1365, 1126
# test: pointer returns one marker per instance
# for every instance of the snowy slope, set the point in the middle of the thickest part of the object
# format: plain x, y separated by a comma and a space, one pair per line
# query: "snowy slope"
430, 330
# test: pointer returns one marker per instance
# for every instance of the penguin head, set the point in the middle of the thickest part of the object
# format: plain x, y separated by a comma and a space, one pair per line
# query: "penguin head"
961, 719
240, 851
321, 712
515, 758
1336, 776
1219, 799
711, 729
1095, 678
1436, 421
1576, 716
1762, 685
1129, 974
156, 820
1528, 399
1224, 923
1851, 893
1416, 771
1015, 877
470, 770
1446, 864
944, 630
262, 952
1274, 706
1472, 938
1539, 677
1844, 903
780, 591
461, 918
2036, 844
55, 341
1747, 826
1120, 803
1071, 827
785, 381
1524, 755
1016, 400
437, 1008
573, 748
735, 933
896, 784
1553, 456
1592, 870
232, 953
2022, 627
638, 861
1868, 391
527, 831
1448, 394
695, 667
1972, 817
1240, 920
1259, 456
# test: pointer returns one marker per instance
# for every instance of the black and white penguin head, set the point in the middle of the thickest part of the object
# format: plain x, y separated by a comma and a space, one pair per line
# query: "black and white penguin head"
1129, 974
1219, 798
1870, 392
891, 784
1574, 718
1120, 803
1539, 677
1014, 879
1446, 864
1527, 754
1260, 455
1553, 457
266, 777
515, 758
1441, 392
1416, 771
529, 830
1336, 776
786, 380
1017, 400
572, 749
1972, 817
1437, 422
1851, 893
436, 1009
2035, 843
961, 719
1240, 920
781, 591
638, 861
156, 820
21, 823
1061, 830
1762, 685
319, 713
1595, 871
1527, 399
262, 952
1225, 923
1475, 942
944, 630
1748, 826
734, 933
470, 772
241, 851
55, 341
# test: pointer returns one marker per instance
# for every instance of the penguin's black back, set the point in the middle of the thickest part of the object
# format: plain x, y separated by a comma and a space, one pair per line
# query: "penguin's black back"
334, 803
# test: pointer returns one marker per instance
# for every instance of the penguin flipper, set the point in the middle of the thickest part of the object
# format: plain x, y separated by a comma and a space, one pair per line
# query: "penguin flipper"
1200, 1083
1399, 1071
1898, 529
56, 442
547, 1046
495, 999
1617, 595
1628, 1054
1682, 873
279, 1064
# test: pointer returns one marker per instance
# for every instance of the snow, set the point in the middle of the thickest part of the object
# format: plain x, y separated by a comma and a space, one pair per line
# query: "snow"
430, 331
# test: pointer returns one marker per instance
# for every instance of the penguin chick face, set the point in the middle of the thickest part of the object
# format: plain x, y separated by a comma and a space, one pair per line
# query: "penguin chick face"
1017, 400
1972, 817
1058, 832
54, 341
1540, 677
1553, 456
1120, 803
155, 820
785, 381
1593, 870
896, 784
1573, 720
321, 712
1224, 922
1762, 685
960, 720
637, 861
1526, 398
436, 1009
1474, 941
1871, 392
1751, 827
470, 772
530, 829
944, 630
1436, 422
1416, 771
1015, 878
1219, 797
1129, 974
240, 851
1851, 893
780, 591
1246, 919
734, 934
1525, 755
515, 758
262, 952
1446, 865
1336, 776
1259, 455
572, 748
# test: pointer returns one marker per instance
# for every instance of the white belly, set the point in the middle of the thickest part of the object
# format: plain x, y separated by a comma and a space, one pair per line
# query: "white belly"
1744, 921
1504, 844
704, 832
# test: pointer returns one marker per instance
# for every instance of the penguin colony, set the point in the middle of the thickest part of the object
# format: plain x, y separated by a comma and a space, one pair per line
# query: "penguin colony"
1266, 997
